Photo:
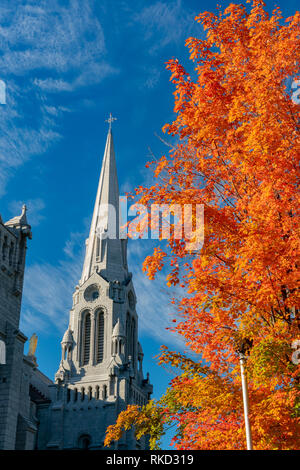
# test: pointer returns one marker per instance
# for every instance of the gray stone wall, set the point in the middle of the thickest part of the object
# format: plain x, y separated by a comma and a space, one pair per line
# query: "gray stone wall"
17, 429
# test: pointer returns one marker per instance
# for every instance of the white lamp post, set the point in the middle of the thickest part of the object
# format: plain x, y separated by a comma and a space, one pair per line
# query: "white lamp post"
246, 402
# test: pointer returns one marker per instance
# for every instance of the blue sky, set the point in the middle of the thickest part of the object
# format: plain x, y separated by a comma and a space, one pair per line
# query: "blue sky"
66, 65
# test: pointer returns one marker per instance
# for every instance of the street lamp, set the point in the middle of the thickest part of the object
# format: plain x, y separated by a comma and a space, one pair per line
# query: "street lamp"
242, 358
243, 346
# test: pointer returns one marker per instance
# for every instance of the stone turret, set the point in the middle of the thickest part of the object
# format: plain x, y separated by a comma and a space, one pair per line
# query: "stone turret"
119, 341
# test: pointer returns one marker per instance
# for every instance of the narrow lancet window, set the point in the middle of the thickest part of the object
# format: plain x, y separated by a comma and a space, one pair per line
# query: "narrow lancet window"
86, 338
100, 335
133, 341
128, 339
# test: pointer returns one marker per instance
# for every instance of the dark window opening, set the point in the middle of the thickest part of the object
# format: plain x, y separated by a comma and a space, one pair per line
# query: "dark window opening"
84, 442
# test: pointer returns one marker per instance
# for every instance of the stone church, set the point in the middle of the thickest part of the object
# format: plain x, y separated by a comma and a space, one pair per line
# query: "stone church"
101, 367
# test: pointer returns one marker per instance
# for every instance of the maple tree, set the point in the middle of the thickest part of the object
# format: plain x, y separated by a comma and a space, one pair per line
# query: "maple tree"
238, 154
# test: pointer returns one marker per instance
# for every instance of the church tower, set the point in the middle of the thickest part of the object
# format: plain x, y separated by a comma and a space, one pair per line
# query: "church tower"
13, 245
100, 372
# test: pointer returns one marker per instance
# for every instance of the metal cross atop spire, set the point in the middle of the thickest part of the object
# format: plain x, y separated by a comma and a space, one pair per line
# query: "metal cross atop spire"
110, 120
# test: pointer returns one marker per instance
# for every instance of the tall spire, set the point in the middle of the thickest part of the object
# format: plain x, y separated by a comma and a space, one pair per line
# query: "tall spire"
106, 255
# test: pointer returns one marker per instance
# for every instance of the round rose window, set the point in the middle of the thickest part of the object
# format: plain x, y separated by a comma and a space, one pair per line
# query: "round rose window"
91, 293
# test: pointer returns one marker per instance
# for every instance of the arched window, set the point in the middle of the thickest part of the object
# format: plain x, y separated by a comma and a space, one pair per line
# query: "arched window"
130, 337
131, 300
133, 341
84, 442
90, 393
2, 352
97, 393
75, 394
69, 353
86, 338
115, 347
104, 392
100, 337
112, 386
4, 248
82, 393
10, 254
98, 249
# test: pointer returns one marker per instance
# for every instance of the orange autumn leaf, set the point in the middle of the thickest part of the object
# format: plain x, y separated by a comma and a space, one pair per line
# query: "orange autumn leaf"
237, 152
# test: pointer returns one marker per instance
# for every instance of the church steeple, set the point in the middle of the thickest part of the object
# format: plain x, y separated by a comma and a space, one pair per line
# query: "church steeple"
100, 371
105, 252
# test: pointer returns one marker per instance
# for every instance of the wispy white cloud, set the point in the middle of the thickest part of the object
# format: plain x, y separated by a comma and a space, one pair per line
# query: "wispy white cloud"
153, 78
53, 85
166, 22
51, 36
91, 75
94, 73
48, 294
74, 244
20, 141
126, 187
46, 47
154, 306
57, 110
48, 289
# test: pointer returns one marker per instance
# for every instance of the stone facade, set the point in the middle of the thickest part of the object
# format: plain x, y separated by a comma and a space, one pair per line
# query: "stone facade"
18, 397
101, 364
101, 368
